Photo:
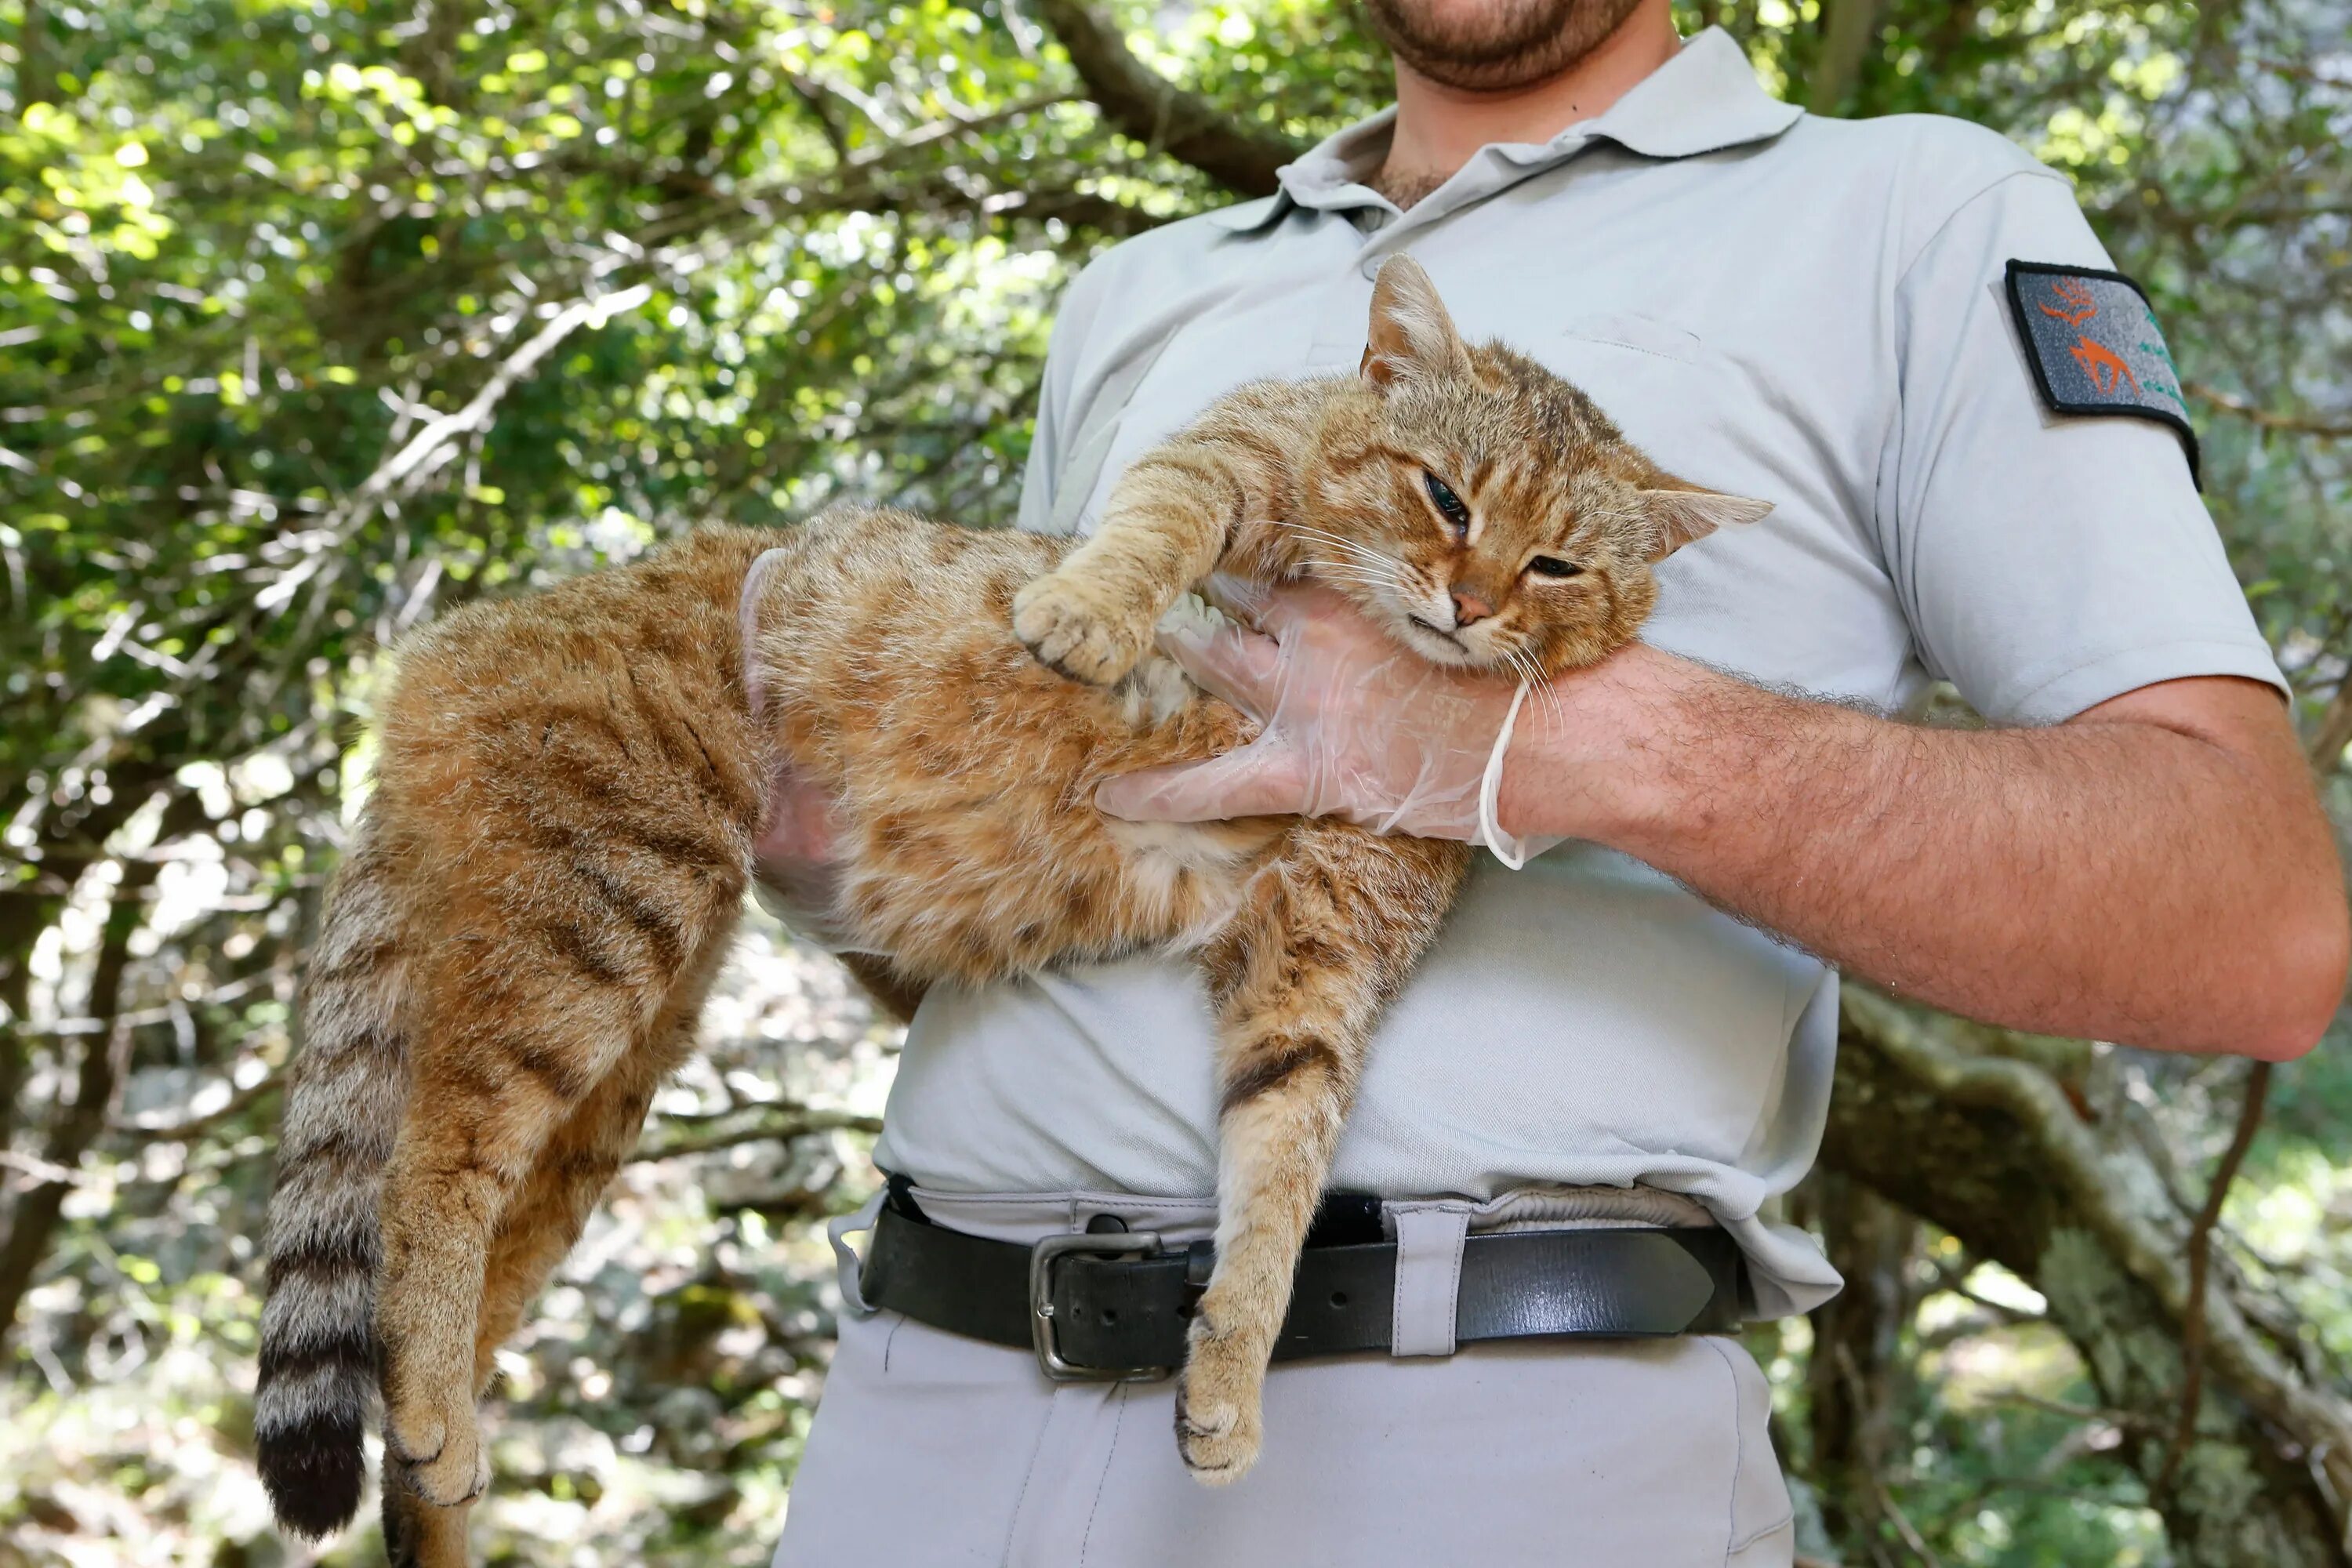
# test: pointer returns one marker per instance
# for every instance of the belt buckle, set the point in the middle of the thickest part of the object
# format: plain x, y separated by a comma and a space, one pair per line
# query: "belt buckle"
1040, 1304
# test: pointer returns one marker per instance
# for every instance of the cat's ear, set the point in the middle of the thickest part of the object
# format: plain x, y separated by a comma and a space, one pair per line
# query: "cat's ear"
1411, 333
1681, 513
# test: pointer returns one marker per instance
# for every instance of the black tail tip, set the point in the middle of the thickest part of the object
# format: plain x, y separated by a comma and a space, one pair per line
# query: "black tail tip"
314, 1475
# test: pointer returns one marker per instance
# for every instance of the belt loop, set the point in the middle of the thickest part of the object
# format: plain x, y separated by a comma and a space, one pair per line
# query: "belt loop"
846, 1263
1428, 1277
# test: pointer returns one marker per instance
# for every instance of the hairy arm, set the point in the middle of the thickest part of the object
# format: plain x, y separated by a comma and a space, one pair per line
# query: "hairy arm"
2155, 871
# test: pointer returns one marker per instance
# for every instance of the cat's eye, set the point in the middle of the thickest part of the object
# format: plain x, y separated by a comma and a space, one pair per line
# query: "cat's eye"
1449, 505
1553, 567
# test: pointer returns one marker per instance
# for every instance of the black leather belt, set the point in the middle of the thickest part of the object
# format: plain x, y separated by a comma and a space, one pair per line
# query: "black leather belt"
1113, 1303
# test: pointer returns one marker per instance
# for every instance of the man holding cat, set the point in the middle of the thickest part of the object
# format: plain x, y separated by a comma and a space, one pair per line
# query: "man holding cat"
1863, 322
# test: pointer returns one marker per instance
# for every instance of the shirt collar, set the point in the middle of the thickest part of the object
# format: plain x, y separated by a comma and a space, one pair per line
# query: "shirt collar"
1705, 98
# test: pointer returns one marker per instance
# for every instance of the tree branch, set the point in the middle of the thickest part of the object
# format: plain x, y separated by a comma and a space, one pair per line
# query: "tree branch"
2201, 1258
815, 98
194, 1126
443, 431
1156, 111
795, 1124
2334, 731
2264, 418
66, 847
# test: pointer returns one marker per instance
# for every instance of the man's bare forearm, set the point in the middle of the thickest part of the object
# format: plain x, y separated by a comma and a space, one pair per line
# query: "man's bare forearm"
2155, 871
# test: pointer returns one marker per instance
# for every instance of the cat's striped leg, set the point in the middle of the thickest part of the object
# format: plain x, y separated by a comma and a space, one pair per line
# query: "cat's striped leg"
565, 949
416, 1533
1328, 933
579, 1164
544, 1049
538, 1230
475, 1131
517, 1046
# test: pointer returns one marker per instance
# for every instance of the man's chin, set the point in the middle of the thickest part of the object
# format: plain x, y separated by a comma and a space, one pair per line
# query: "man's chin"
1494, 45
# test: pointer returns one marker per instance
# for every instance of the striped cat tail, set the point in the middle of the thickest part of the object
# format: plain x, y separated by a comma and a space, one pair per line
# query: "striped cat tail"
318, 1375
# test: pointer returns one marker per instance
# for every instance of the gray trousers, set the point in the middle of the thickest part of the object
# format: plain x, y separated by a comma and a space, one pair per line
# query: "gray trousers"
931, 1450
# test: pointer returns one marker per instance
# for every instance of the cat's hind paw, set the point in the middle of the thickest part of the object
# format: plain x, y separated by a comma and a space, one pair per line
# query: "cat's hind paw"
438, 1441
1220, 1424
1076, 631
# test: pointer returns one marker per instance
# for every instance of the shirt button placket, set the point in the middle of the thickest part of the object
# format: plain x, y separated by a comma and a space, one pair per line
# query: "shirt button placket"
1342, 318
1376, 223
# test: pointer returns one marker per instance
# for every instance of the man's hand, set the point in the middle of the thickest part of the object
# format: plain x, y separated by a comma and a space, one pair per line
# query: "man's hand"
1355, 727
794, 859
2155, 871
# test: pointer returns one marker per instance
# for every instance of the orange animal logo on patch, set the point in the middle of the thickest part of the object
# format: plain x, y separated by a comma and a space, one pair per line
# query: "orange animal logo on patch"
2072, 294
2106, 368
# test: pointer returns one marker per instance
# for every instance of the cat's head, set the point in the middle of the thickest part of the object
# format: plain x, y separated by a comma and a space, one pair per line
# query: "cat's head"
1482, 509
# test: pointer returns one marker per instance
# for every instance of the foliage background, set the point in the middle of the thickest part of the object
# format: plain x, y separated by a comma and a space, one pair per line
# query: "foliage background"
319, 316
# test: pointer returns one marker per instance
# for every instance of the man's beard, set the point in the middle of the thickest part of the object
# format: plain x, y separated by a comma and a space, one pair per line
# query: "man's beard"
1494, 45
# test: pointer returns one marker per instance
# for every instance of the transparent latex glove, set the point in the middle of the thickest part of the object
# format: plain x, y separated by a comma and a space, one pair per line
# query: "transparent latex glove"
1355, 727
795, 873
796, 868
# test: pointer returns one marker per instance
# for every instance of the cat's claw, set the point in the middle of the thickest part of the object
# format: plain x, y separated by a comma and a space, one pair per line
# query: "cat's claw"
1219, 1420
1075, 631
439, 1443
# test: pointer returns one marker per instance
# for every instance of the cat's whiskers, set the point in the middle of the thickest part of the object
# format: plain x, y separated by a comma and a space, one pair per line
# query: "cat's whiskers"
1547, 689
1353, 568
1357, 574
1547, 695
1376, 579
1365, 570
1308, 530
1355, 550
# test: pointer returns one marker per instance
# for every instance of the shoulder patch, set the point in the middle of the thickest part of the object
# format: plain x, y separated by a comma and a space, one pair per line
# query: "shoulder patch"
2096, 347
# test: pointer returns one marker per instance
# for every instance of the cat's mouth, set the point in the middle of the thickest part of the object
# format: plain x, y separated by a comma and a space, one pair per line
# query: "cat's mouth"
1437, 645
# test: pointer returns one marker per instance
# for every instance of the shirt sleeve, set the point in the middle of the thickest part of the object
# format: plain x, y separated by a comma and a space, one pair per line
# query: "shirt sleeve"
2046, 562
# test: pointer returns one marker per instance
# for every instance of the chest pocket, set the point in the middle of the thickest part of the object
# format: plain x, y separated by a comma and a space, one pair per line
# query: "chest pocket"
1681, 400
1656, 380
1642, 334
1802, 597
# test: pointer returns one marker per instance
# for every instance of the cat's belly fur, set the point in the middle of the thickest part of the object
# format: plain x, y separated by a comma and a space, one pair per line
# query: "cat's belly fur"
963, 772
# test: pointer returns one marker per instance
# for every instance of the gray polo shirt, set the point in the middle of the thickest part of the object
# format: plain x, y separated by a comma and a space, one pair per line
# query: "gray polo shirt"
1807, 310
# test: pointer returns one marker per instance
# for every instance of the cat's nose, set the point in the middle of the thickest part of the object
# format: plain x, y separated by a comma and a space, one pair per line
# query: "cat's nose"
1469, 607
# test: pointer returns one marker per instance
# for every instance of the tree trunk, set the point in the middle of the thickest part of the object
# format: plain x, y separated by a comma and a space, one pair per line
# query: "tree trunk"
1848, 29
34, 1218
1857, 1339
1156, 111
37, 80
1946, 1120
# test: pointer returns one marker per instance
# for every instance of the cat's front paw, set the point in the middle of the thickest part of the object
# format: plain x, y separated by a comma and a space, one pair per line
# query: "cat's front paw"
1077, 631
439, 1440
1219, 1405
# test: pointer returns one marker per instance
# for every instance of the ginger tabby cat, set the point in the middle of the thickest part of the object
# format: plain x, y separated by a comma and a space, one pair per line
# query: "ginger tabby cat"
554, 859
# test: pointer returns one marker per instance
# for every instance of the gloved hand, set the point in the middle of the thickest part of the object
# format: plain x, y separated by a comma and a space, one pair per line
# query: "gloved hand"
796, 874
1355, 727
